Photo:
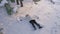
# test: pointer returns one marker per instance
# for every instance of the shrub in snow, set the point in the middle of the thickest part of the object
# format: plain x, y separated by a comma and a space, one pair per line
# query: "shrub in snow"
9, 9
12, 0
0, 1
3, 2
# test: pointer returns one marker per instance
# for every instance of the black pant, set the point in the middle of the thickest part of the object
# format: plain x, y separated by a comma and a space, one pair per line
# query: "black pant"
17, 2
34, 22
20, 3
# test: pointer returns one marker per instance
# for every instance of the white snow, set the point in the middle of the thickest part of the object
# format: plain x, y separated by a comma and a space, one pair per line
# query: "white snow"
15, 9
48, 13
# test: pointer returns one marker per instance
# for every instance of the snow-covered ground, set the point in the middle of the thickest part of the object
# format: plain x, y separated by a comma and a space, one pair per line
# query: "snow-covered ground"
48, 13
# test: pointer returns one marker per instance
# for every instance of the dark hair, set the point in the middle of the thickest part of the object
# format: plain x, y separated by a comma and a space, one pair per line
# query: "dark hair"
27, 15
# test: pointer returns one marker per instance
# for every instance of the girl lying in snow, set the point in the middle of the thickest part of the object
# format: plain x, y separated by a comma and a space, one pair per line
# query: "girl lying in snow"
33, 22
